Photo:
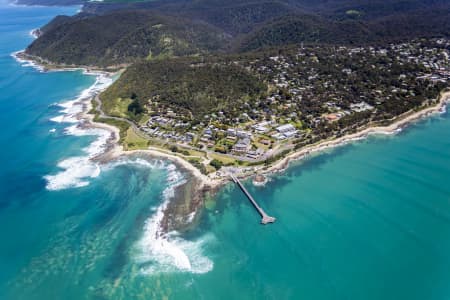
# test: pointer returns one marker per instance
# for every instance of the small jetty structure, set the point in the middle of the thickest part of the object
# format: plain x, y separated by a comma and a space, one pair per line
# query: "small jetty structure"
266, 219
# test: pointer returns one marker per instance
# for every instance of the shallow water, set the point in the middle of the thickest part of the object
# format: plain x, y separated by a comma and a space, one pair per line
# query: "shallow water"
368, 220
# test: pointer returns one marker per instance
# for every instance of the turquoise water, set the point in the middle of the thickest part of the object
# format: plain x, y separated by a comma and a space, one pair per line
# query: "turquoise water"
370, 220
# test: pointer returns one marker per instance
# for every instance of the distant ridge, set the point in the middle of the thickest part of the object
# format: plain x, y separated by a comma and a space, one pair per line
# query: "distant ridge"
112, 33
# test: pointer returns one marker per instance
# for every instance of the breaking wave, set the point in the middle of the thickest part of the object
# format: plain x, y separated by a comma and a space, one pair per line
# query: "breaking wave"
157, 164
157, 252
76, 171
26, 62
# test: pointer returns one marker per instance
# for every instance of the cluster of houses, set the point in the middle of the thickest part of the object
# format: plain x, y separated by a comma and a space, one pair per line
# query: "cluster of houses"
305, 83
440, 75
163, 128
259, 131
303, 97
207, 137
434, 60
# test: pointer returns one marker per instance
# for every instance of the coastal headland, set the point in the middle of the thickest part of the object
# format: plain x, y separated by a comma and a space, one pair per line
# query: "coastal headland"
183, 210
190, 196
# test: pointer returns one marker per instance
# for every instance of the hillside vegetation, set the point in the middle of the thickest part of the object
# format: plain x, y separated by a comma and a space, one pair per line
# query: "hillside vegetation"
233, 16
106, 34
188, 85
123, 37
294, 29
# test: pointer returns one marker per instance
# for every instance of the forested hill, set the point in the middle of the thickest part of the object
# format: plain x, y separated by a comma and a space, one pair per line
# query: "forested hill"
115, 32
369, 9
123, 37
294, 29
188, 84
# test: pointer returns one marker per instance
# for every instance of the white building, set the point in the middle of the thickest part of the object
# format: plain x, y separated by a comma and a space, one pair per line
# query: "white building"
261, 129
285, 128
359, 107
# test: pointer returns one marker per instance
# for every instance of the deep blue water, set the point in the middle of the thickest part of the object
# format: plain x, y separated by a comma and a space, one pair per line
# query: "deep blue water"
370, 220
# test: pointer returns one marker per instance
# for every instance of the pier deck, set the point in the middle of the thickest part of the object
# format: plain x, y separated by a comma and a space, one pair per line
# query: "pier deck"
265, 217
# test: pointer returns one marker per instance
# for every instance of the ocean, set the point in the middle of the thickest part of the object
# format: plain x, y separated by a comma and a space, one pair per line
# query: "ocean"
368, 220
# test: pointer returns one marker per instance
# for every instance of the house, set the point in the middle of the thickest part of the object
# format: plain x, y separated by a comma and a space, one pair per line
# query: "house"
190, 136
332, 117
263, 124
254, 154
265, 142
243, 134
290, 134
208, 131
362, 106
243, 145
278, 136
261, 129
285, 128
231, 138
231, 132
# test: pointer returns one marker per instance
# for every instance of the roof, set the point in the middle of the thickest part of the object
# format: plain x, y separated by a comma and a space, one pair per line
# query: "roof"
286, 127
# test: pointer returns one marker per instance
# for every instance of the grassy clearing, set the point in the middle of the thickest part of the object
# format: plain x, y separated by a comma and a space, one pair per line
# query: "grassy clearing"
210, 169
144, 119
196, 153
224, 159
117, 107
133, 141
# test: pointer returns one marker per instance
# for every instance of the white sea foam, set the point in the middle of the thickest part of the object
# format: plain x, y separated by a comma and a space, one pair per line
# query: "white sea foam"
158, 252
76, 171
137, 162
191, 217
34, 33
26, 62
443, 109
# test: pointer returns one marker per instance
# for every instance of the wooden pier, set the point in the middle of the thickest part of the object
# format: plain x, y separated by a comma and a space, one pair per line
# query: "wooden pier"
265, 218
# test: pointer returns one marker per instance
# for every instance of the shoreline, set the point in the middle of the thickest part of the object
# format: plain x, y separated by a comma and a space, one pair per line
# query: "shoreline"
211, 183
48, 66
28, 61
392, 129
199, 183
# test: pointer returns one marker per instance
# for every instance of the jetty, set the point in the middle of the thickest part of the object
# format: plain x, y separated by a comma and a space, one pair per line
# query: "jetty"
266, 219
